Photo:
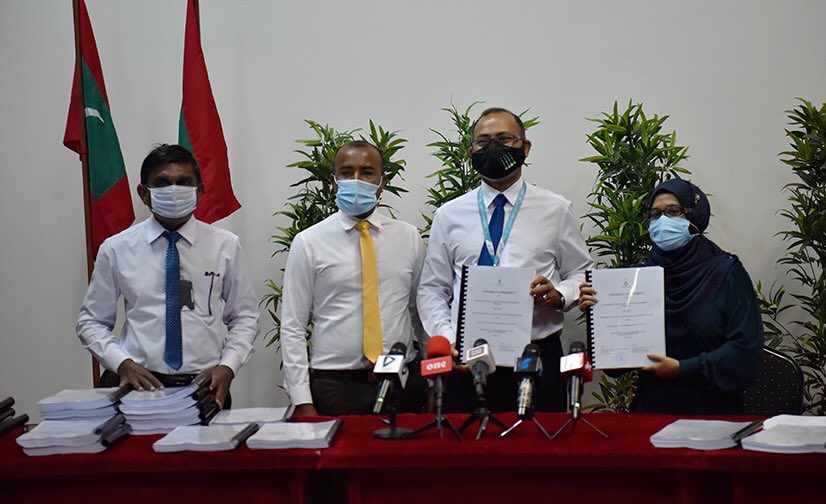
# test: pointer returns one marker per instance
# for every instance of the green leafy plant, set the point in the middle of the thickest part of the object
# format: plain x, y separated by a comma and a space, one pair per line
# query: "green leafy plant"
456, 176
633, 156
316, 197
804, 337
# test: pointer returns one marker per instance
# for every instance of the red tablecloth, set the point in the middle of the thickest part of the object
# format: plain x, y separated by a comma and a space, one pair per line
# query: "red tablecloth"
578, 465
130, 471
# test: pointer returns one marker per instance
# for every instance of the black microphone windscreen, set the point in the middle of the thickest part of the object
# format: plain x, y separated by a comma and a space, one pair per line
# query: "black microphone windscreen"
577, 347
480, 342
532, 349
398, 348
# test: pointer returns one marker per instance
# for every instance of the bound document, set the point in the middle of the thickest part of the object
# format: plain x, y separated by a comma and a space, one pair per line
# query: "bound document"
789, 434
294, 435
628, 322
495, 304
204, 438
698, 434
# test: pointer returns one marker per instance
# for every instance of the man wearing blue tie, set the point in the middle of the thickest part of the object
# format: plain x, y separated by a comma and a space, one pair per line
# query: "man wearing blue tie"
189, 305
525, 227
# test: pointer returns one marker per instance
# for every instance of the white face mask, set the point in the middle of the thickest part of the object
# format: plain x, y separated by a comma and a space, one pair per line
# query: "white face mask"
173, 201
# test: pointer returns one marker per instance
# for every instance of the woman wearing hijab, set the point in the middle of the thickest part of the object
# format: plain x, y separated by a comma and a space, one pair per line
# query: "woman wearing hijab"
713, 327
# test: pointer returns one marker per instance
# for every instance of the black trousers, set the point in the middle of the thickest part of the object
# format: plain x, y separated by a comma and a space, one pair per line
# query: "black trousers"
337, 393
110, 379
550, 394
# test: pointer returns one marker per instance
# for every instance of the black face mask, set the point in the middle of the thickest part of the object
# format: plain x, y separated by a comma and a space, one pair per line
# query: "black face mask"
497, 161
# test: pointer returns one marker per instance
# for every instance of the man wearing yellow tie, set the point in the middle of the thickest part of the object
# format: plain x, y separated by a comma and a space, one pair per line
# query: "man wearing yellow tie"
354, 277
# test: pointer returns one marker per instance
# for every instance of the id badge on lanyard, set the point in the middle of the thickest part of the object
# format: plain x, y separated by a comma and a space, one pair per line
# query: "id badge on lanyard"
483, 216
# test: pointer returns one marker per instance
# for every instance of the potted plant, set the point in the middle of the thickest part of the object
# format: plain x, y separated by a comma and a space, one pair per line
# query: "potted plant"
805, 337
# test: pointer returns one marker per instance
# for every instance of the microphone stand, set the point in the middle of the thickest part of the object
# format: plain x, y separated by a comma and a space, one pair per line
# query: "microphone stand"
483, 414
524, 411
528, 415
576, 415
392, 431
440, 418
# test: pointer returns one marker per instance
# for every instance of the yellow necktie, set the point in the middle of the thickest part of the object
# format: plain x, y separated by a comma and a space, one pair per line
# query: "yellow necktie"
369, 294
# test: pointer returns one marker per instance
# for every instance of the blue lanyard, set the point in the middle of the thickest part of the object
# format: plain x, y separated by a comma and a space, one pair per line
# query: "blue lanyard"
483, 216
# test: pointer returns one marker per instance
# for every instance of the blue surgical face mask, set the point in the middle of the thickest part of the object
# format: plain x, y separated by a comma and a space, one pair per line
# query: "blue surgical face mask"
669, 233
173, 201
356, 197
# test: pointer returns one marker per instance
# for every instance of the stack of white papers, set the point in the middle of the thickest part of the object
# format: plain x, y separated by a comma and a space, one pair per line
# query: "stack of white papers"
204, 438
86, 404
294, 435
790, 434
244, 416
160, 411
52, 437
698, 434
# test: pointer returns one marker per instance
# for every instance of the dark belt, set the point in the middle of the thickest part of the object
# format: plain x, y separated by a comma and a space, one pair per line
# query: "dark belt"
359, 375
110, 379
176, 380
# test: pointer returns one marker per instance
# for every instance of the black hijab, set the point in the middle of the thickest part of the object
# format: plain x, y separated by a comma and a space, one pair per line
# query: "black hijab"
695, 271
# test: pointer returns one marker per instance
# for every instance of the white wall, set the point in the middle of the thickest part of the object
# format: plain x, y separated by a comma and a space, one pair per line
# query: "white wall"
724, 70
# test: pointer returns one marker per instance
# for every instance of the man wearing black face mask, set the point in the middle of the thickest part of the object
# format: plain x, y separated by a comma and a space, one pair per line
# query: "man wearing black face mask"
189, 304
527, 227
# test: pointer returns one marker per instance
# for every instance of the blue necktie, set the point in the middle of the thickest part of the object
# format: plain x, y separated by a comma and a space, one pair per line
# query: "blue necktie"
173, 353
497, 221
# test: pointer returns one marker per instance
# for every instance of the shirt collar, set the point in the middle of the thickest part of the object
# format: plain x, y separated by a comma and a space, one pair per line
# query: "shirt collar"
348, 222
512, 192
188, 231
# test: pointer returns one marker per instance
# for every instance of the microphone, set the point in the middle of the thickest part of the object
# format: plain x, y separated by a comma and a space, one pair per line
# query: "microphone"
439, 357
578, 369
392, 369
481, 362
528, 368
439, 362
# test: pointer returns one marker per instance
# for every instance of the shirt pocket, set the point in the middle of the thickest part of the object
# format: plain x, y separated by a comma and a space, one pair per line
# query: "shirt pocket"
207, 291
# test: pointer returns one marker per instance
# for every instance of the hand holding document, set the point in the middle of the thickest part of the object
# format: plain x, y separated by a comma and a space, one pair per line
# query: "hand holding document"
628, 322
495, 304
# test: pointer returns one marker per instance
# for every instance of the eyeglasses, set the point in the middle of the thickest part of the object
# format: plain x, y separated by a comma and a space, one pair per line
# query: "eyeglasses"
505, 139
669, 211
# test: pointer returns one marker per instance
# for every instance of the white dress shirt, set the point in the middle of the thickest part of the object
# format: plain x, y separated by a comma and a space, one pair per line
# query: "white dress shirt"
322, 284
545, 237
219, 329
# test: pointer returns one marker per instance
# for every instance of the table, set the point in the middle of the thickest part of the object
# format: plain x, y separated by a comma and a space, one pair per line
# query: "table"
130, 472
360, 469
579, 465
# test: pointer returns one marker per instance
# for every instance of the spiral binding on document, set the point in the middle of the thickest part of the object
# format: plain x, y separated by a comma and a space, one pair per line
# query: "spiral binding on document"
589, 323
460, 322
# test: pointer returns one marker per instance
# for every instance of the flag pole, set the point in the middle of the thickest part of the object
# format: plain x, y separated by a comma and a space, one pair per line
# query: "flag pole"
84, 163
197, 7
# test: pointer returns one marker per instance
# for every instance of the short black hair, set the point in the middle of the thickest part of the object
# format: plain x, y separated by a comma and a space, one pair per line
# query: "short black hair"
166, 154
360, 144
498, 110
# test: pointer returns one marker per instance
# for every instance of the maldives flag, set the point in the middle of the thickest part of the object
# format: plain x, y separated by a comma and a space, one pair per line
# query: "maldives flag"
110, 203
200, 129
